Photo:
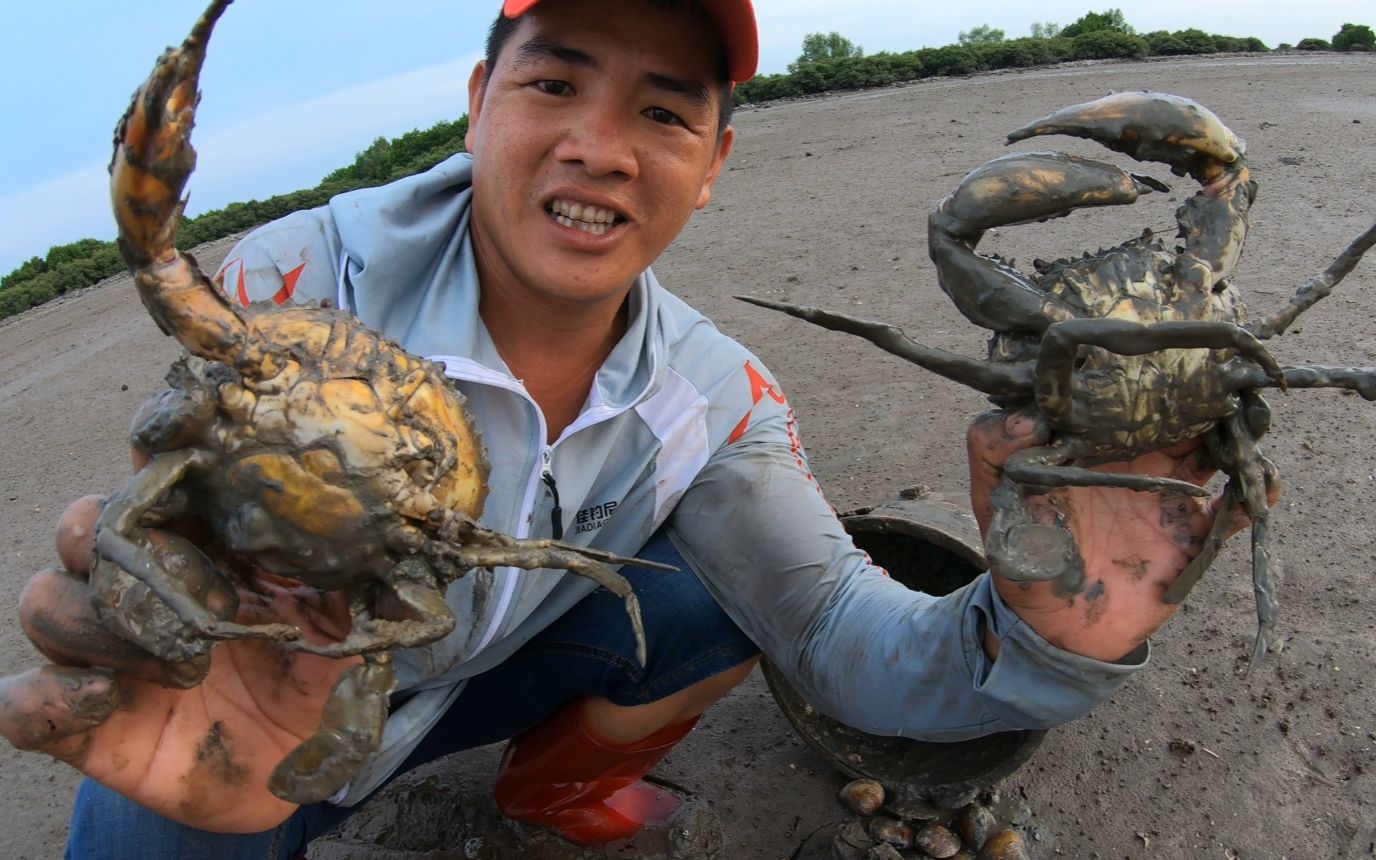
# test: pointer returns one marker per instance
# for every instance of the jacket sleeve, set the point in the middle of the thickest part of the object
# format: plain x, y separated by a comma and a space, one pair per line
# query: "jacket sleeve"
293, 260
858, 645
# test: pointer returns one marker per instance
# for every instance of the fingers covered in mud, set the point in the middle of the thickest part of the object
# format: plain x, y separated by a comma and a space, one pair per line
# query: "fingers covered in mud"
42, 707
990, 440
57, 614
76, 533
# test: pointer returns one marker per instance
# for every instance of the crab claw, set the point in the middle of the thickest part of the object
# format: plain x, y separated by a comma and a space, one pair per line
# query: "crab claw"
153, 155
1034, 186
153, 159
1017, 188
1149, 126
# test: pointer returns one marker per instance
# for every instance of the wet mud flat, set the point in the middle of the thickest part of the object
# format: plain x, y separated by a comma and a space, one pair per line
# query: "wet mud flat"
824, 202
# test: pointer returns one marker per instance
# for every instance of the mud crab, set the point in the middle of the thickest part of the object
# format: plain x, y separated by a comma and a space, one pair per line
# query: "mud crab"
1129, 350
312, 448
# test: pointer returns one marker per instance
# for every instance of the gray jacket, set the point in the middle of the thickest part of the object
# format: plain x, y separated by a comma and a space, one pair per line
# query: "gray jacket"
683, 426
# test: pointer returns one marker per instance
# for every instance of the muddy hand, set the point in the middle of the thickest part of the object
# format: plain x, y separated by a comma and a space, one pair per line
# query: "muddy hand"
201, 756
1133, 545
58, 615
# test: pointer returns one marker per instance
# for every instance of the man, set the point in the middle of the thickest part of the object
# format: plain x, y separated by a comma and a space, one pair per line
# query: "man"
615, 416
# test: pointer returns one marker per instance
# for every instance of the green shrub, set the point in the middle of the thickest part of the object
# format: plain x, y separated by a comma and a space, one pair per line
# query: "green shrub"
1018, 53
1165, 44
984, 34
29, 294
1354, 37
1111, 20
818, 47
1197, 41
28, 269
763, 88
78, 250
951, 60
1108, 44
897, 67
1314, 45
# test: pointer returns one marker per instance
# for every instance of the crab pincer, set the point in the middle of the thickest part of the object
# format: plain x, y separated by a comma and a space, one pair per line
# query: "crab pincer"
1017, 189
1170, 129
153, 155
152, 161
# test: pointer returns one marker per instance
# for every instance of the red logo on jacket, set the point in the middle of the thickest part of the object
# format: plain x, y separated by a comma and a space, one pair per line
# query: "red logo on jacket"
759, 389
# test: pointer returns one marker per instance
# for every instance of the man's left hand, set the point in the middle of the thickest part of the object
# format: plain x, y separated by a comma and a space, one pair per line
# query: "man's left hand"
1134, 544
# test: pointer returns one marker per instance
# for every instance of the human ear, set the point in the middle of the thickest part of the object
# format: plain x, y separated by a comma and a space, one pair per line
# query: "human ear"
477, 88
724, 143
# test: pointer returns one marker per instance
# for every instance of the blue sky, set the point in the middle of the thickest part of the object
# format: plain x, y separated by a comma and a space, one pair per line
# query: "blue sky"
293, 89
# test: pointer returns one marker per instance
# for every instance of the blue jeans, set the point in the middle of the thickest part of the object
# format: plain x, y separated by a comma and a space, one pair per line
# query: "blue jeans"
590, 651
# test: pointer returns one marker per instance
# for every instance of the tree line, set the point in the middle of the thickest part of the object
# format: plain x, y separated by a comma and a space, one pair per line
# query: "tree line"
829, 61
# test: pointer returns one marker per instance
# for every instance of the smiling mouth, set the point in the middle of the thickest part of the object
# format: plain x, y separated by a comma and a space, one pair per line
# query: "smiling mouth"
582, 216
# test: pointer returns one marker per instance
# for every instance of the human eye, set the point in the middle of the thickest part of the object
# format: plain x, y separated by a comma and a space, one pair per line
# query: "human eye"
553, 87
664, 116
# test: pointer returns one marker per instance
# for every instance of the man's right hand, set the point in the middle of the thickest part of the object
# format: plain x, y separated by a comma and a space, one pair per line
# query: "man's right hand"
200, 756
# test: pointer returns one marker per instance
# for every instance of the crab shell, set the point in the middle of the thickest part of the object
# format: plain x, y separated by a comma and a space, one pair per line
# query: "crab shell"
339, 456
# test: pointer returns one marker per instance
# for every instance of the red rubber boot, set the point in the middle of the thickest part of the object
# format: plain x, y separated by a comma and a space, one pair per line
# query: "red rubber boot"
560, 775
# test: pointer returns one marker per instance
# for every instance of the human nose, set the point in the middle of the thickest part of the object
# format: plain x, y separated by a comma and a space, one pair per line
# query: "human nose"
600, 139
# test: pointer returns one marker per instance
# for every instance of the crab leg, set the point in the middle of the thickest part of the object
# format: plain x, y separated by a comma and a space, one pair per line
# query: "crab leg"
986, 376
1316, 288
350, 731
1213, 542
121, 543
1244, 374
1234, 446
1061, 345
152, 160
1048, 466
413, 588
1250, 469
530, 555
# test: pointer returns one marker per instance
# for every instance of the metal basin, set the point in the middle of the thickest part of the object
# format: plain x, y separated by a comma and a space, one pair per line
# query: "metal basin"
929, 542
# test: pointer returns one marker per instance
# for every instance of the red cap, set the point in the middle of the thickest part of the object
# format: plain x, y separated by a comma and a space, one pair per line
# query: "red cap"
735, 20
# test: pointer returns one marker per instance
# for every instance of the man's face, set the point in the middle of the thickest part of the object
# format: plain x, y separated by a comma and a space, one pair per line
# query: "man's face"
594, 139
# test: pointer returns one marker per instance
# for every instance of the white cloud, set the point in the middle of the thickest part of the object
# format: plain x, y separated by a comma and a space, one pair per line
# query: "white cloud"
54, 212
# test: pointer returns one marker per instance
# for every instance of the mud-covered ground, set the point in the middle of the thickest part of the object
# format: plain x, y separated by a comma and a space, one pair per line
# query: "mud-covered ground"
824, 202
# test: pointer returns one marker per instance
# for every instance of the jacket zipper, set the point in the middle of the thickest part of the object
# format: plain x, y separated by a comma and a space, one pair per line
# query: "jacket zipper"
473, 372
556, 516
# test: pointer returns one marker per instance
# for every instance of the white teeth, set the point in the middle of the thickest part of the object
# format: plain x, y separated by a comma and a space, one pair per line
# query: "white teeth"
583, 216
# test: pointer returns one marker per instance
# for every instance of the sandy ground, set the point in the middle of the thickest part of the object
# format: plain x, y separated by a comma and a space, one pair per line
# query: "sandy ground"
824, 203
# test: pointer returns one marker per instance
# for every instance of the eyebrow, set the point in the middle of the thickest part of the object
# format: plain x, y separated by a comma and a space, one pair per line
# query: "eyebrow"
538, 48
694, 91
